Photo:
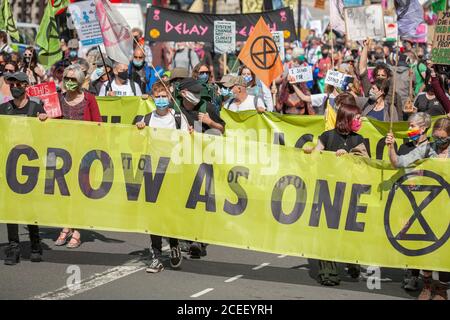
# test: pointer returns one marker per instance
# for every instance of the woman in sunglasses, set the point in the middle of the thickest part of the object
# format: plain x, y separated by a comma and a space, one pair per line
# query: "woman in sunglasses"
76, 104
5, 92
30, 65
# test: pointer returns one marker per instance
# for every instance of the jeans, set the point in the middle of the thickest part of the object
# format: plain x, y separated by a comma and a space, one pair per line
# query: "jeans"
156, 245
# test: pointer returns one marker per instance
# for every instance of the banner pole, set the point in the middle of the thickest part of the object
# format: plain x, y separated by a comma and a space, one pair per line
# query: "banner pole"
274, 95
394, 88
225, 63
104, 66
332, 47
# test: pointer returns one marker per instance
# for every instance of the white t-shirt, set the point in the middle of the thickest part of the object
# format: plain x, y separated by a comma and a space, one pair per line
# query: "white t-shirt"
247, 104
167, 121
121, 90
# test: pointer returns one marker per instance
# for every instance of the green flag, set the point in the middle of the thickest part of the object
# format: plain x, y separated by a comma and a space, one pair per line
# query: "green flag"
439, 5
7, 21
48, 38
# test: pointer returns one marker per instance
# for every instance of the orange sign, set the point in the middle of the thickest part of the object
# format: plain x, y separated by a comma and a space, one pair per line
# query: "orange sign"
260, 54
320, 4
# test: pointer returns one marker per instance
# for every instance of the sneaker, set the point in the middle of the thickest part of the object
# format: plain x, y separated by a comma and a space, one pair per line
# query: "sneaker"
175, 257
411, 284
354, 270
184, 246
12, 255
36, 252
195, 250
155, 267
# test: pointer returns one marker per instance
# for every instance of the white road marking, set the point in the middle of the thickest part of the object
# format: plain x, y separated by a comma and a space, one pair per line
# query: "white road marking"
282, 256
262, 265
92, 282
198, 294
96, 280
234, 278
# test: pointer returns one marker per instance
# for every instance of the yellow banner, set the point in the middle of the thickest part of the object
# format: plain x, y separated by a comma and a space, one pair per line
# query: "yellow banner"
269, 127
224, 190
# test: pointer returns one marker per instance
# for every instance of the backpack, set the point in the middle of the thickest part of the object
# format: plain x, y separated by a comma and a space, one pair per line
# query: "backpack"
177, 117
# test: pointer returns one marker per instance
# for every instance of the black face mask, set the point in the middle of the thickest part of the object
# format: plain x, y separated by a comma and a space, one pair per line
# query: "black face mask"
123, 75
17, 92
325, 54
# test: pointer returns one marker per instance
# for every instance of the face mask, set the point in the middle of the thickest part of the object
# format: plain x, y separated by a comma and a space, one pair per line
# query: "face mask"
356, 125
414, 135
138, 63
73, 54
325, 54
248, 79
224, 92
123, 75
192, 98
301, 58
17, 92
287, 57
161, 103
442, 143
70, 85
203, 77
373, 96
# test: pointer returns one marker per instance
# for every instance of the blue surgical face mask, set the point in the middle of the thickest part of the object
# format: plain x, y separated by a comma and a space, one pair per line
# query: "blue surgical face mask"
138, 63
224, 92
73, 53
287, 57
203, 77
248, 79
162, 103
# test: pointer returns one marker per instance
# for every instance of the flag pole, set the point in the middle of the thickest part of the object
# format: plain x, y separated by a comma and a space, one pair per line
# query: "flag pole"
394, 88
104, 66
225, 63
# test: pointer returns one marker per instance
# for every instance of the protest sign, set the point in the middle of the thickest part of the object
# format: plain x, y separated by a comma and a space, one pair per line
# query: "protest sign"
278, 37
391, 31
338, 79
231, 191
84, 18
224, 36
364, 22
353, 3
301, 74
46, 92
440, 53
164, 24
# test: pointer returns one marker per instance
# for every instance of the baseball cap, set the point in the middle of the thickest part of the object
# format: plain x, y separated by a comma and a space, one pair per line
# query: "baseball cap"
108, 62
19, 76
190, 84
73, 44
235, 81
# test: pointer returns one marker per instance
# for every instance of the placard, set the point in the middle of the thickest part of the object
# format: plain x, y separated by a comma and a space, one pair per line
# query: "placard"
364, 22
338, 79
46, 92
301, 74
84, 19
224, 36
440, 53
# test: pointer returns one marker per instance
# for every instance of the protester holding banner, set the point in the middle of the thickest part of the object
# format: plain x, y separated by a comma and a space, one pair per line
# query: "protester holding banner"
121, 85
21, 105
76, 104
163, 117
197, 109
342, 140
241, 99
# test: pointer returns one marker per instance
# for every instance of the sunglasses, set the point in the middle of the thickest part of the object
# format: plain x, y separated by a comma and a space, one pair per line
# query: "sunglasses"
27, 55
70, 79
10, 70
136, 57
17, 84
204, 72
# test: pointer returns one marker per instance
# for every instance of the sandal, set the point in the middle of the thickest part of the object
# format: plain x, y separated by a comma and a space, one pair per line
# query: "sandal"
63, 237
74, 243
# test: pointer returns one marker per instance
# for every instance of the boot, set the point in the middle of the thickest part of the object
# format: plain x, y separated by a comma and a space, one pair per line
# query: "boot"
440, 291
12, 253
426, 291
36, 252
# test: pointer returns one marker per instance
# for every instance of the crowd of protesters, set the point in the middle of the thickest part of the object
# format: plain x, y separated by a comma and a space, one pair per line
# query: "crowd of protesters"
189, 84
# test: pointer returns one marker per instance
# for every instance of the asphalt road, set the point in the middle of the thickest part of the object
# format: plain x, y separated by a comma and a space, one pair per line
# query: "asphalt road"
111, 265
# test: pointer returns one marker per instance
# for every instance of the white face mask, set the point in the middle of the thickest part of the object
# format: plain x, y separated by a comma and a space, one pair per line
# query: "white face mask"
192, 98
